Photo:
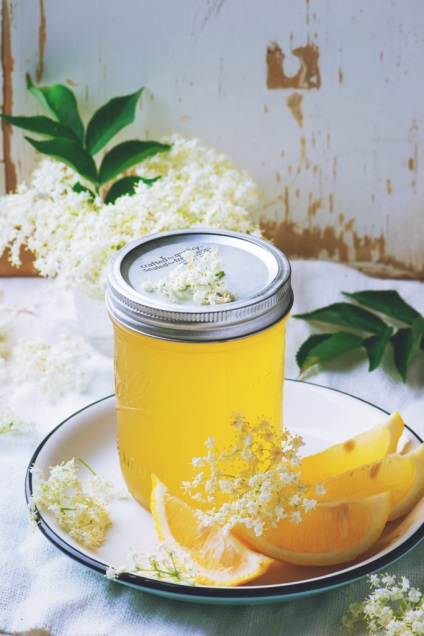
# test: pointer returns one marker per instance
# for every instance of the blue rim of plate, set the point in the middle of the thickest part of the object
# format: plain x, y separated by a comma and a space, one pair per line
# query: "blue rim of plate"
267, 593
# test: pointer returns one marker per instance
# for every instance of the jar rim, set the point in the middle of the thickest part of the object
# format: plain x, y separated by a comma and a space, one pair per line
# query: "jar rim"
263, 302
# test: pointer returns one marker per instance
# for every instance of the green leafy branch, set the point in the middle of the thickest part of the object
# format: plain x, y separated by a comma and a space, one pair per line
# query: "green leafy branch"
376, 334
66, 139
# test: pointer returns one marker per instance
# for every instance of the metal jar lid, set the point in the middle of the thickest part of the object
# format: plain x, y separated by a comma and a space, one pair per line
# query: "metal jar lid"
256, 273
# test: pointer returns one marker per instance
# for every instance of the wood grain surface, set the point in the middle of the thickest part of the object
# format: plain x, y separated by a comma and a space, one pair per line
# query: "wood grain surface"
320, 100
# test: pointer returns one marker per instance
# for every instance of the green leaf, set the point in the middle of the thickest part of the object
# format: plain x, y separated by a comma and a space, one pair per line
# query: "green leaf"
405, 344
322, 347
346, 315
126, 155
69, 152
60, 101
306, 347
386, 302
108, 120
126, 186
375, 346
41, 126
78, 187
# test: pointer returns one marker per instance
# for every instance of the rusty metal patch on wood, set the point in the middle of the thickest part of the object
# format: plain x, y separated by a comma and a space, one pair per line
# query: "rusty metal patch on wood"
26, 269
42, 36
328, 244
27, 258
308, 75
7, 66
294, 102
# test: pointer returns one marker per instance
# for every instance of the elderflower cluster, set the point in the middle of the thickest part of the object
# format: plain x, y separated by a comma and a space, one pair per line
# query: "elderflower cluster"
258, 477
12, 423
164, 564
198, 276
79, 508
6, 321
55, 367
394, 608
74, 236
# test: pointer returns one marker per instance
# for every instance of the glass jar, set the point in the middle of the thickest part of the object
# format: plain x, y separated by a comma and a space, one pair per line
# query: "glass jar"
182, 370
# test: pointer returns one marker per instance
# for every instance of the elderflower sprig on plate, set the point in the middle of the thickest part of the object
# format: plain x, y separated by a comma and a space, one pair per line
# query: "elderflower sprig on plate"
74, 235
79, 507
10, 422
198, 277
394, 608
258, 477
164, 564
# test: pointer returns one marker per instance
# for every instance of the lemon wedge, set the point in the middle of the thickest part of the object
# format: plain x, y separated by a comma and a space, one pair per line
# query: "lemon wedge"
220, 559
334, 532
402, 475
370, 446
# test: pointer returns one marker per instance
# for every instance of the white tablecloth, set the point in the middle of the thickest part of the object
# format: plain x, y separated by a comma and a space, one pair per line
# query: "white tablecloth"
42, 589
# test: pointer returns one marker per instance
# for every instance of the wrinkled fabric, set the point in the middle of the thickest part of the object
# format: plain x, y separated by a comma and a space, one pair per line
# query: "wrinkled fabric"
43, 589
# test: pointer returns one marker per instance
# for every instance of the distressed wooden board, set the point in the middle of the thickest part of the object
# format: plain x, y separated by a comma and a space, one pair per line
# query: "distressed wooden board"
321, 100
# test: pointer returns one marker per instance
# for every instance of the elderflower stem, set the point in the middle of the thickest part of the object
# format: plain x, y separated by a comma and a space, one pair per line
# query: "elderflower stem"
86, 465
166, 563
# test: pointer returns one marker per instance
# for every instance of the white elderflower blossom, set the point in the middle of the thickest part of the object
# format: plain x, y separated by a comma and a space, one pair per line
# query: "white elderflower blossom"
79, 508
198, 276
164, 564
320, 489
7, 316
414, 595
56, 367
12, 423
393, 608
256, 481
74, 235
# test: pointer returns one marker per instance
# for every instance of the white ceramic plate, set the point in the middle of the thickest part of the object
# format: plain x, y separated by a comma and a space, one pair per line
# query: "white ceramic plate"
322, 416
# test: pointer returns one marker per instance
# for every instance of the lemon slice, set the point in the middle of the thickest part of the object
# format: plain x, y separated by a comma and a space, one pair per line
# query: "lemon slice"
334, 532
220, 559
370, 446
402, 475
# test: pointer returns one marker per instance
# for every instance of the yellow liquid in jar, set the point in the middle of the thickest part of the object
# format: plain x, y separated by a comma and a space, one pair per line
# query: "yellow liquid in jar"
172, 396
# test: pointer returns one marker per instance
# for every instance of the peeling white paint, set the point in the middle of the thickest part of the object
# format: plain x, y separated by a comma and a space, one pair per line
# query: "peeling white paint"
360, 150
